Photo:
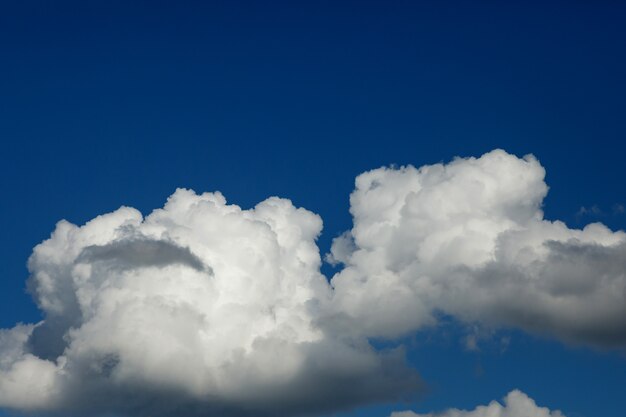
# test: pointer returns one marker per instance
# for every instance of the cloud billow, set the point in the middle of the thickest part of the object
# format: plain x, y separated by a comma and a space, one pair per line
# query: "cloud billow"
200, 307
203, 308
469, 239
516, 404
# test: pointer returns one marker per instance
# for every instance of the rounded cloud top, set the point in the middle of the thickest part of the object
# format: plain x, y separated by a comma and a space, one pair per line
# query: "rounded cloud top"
516, 404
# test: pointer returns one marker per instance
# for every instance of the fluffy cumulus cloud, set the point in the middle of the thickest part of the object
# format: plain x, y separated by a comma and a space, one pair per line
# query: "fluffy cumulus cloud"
516, 404
469, 239
200, 307
205, 308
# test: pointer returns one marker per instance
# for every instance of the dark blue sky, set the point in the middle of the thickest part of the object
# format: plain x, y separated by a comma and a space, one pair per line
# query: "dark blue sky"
106, 103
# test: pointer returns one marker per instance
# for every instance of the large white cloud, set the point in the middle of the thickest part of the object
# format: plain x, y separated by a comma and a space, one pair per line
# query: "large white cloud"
516, 404
469, 239
204, 308
200, 306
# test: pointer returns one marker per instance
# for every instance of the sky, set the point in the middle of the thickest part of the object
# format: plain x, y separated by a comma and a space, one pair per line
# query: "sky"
487, 281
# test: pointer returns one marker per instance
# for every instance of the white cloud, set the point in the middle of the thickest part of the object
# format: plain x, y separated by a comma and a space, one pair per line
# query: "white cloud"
469, 239
516, 404
199, 306
204, 307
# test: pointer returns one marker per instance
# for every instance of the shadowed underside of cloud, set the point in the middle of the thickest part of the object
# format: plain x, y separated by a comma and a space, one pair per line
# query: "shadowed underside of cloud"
516, 404
202, 308
137, 253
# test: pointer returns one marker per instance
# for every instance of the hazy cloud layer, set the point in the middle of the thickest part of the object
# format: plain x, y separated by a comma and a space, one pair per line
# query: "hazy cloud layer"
516, 404
205, 308
469, 239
